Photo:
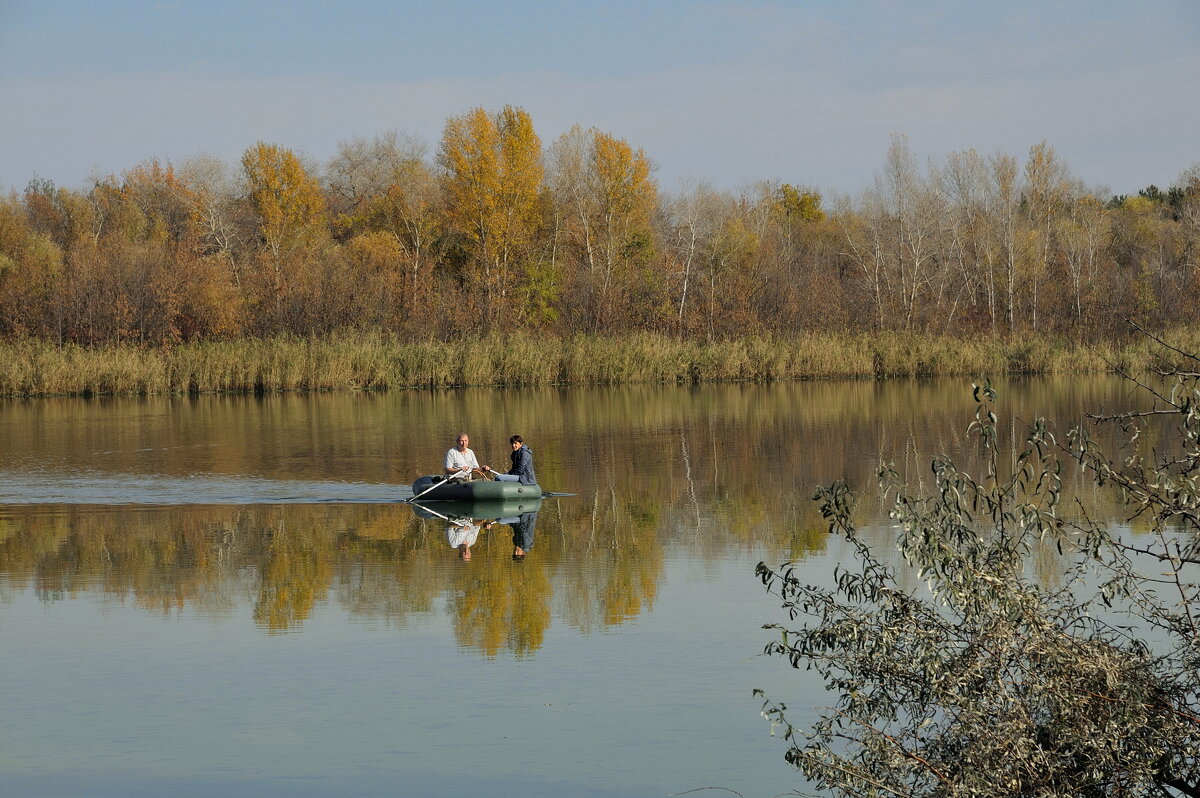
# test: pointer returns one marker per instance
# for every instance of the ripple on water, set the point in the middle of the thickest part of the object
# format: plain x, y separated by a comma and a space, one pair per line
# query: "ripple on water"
96, 487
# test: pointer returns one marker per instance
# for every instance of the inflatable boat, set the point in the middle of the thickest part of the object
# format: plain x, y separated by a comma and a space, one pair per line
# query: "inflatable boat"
472, 491
479, 511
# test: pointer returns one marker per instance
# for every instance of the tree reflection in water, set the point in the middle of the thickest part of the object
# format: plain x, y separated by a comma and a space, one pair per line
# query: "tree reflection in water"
659, 471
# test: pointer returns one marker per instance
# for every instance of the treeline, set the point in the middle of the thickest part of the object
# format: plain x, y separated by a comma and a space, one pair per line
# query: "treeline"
495, 232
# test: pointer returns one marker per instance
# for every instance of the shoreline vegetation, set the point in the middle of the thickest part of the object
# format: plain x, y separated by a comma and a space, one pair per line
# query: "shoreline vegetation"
365, 361
381, 267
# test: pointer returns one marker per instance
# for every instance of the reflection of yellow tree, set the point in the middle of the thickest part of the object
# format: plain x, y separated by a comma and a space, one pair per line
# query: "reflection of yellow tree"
733, 469
613, 562
391, 565
297, 573
501, 603
633, 564
789, 523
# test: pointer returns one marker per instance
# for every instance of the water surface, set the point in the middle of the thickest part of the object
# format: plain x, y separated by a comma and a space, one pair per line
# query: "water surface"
226, 595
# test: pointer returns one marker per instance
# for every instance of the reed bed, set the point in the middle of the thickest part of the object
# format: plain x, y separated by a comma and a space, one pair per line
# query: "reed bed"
378, 361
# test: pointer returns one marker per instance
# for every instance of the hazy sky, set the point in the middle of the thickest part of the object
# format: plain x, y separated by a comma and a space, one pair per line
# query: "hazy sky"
806, 92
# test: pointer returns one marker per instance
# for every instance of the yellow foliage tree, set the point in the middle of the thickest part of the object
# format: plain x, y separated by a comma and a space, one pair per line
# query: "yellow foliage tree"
796, 204
289, 207
288, 202
493, 171
610, 199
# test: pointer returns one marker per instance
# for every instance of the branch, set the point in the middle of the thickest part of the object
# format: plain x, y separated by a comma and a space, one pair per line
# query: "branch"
909, 754
1158, 340
850, 772
1182, 786
1132, 414
1177, 563
1157, 555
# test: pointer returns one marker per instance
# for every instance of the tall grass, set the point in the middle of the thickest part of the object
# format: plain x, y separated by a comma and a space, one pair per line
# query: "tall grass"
377, 361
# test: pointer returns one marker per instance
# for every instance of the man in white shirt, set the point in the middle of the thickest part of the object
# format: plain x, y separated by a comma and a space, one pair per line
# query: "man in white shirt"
460, 460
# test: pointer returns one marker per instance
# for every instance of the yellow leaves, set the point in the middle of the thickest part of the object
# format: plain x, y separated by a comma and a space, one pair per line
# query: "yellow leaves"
609, 199
470, 156
374, 250
734, 242
520, 169
1138, 205
288, 202
622, 178
795, 204
493, 173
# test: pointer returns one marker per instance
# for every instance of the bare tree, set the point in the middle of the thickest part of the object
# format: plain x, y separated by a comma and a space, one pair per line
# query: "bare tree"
689, 220
216, 209
364, 169
964, 184
866, 232
914, 206
1083, 233
1047, 192
1004, 203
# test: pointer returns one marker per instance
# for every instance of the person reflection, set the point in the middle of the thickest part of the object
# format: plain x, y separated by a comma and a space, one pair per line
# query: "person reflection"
522, 539
462, 534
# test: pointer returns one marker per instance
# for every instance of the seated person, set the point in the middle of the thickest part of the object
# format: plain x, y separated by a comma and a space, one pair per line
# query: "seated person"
522, 464
460, 460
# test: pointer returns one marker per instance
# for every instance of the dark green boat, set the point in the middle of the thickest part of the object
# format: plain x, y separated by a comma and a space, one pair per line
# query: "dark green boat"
473, 491
479, 511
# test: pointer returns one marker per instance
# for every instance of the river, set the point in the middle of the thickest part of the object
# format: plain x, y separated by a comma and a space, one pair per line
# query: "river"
226, 595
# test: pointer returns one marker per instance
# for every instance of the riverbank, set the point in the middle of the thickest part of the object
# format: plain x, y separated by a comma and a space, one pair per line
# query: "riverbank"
379, 362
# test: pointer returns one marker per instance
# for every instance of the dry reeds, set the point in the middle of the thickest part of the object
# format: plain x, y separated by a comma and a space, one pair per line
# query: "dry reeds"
364, 361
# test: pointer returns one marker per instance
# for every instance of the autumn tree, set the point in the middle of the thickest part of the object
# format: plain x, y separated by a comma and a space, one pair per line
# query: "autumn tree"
794, 279
604, 189
289, 207
31, 267
492, 174
1084, 233
409, 211
1047, 192
1141, 250
971, 244
162, 198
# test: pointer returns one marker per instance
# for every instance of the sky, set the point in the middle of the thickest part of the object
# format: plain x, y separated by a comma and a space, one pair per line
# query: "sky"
807, 92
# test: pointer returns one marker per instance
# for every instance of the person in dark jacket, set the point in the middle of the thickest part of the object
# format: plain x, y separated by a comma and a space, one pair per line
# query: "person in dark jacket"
522, 464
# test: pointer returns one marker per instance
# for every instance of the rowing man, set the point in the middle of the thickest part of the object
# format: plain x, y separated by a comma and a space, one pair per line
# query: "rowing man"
460, 460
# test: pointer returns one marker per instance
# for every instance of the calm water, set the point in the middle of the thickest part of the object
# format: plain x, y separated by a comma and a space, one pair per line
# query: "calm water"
224, 596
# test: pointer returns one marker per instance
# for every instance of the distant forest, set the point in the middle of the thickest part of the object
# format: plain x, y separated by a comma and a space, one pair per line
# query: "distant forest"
495, 232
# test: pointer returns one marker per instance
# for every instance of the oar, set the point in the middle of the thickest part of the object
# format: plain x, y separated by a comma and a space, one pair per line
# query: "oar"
485, 525
422, 493
439, 515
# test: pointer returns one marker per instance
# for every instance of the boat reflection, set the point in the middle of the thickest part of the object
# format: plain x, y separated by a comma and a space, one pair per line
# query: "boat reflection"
465, 521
